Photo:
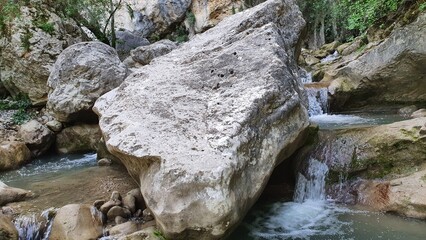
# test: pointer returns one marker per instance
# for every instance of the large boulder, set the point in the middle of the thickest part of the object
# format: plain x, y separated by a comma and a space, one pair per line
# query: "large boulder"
78, 139
392, 72
36, 136
11, 194
7, 230
13, 154
77, 221
127, 41
202, 128
82, 73
30, 47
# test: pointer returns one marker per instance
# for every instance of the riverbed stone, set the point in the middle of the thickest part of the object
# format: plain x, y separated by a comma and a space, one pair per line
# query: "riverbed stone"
36, 136
13, 154
211, 119
144, 234
81, 74
78, 139
77, 221
124, 229
54, 125
118, 211
104, 162
11, 194
8, 231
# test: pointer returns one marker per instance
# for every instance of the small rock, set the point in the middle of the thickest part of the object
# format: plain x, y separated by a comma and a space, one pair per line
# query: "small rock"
7, 210
147, 215
108, 205
115, 196
104, 162
140, 202
124, 228
145, 54
36, 136
129, 202
118, 211
13, 154
98, 204
138, 213
54, 125
119, 220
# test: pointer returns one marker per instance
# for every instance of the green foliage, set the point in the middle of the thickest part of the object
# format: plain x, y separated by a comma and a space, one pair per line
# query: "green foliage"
130, 11
179, 35
20, 117
25, 40
190, 17
159, 235
9, 10
233, 10
422, 7
44, 25
154, 38
19, 102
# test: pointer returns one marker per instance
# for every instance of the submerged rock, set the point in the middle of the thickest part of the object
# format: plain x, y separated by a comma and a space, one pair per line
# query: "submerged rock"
77, 221
81, 74
11, 194
202, 128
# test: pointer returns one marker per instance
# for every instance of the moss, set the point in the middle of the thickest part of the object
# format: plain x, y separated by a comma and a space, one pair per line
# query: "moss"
412, 134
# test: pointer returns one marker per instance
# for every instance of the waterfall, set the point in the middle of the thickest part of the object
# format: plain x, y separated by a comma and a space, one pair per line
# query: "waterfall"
33, 227
317, 100
312, 185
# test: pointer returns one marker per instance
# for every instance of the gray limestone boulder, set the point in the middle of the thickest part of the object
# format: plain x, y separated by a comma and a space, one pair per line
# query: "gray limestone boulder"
78, 139
11, 194
127, 41
144, 55
28, 52
82, 73
36, 136
202, 128
393, 72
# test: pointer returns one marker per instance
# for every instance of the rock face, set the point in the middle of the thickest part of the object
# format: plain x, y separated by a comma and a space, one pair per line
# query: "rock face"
36, 136
393, 72
11, 194
28, 52
209, 121
7, 229
78, 139
144, 55
77, 221
82, 73
208, 13
13, 154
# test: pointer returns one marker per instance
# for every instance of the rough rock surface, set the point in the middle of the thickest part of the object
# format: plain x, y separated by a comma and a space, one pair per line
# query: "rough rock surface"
78, 139
164, 13
384, 151
11, 194
209, 121
77, 221
145, 54
208, 13
127, 41
81, 74
13, 154
36, 136
7, 230
393, 72
24, 70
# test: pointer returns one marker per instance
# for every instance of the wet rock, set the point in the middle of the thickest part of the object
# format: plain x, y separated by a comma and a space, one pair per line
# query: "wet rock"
81, 74
78, 139
330, 47
118, 211
407, 111
102, 152
25, 66
36, 136
8, 231
77, 221
144, 55
104, 162
13, 154
54, 125
165, 144
11, 194
311, 60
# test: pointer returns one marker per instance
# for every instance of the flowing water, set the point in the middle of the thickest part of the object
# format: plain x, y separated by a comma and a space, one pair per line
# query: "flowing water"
311, 214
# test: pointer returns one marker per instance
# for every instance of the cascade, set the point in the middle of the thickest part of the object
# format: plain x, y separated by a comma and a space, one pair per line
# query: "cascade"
35, 228
317, 100
311, 186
